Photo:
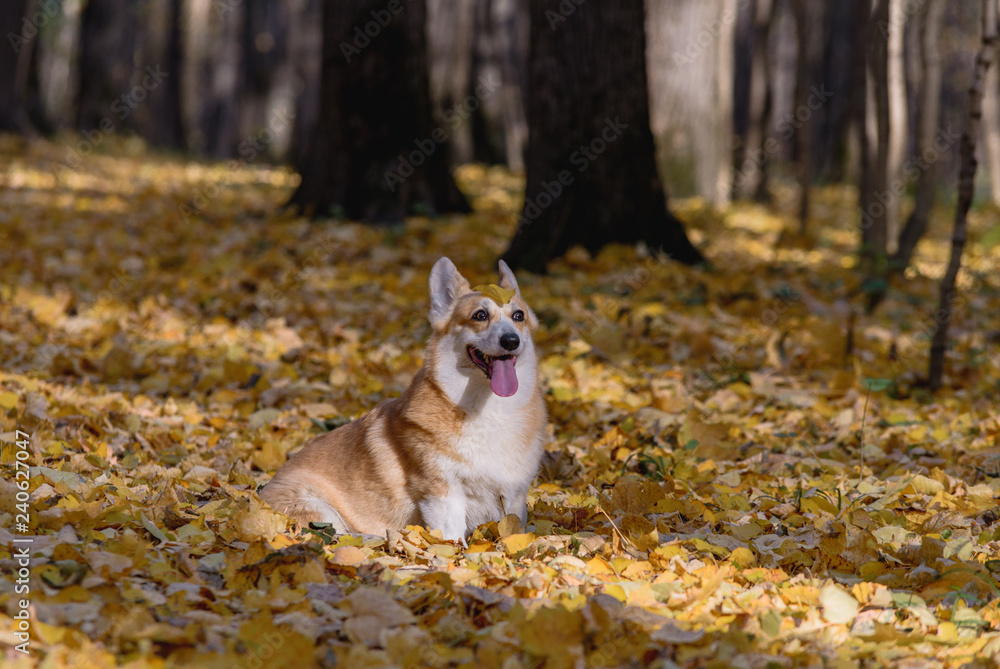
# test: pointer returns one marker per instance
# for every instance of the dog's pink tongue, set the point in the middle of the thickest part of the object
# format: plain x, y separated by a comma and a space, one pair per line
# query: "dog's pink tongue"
503, 380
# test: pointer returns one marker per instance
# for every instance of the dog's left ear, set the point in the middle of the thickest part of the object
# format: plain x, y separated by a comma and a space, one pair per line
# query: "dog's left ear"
507, 279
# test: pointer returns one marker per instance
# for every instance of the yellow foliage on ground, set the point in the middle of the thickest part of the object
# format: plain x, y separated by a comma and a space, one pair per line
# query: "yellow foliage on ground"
168, 336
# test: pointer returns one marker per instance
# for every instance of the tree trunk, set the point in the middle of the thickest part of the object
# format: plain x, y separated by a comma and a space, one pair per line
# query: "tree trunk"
751, 158
509, 23
107, 52
264, 92
591, 172
859, 107
33, 101
807, 30
966, 190
450, 31
896, 92
162, 118
376, 155
762, 99
690, 65
15, 53
831, 137
874, 240
219, 76
306, 54
743, 53
928, 116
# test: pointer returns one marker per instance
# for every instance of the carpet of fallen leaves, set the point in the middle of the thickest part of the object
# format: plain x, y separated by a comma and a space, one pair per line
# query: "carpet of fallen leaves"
168, 336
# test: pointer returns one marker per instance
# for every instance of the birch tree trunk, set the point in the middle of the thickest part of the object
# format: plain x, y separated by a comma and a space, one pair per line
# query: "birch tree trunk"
689, 61
991, 132
896, 90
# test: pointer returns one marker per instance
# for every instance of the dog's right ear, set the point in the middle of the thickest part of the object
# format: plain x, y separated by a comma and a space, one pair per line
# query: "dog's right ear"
446, 285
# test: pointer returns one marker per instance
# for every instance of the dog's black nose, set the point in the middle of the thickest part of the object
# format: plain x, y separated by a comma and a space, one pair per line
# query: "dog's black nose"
509, 341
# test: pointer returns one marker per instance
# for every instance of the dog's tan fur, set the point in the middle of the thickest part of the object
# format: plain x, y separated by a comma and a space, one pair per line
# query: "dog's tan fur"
447, 453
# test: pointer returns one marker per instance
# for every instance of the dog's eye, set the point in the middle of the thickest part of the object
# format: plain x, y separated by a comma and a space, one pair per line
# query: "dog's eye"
517, 316
480, 315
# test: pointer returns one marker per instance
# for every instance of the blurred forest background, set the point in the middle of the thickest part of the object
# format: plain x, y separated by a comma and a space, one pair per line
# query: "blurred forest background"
604, 110
241, 79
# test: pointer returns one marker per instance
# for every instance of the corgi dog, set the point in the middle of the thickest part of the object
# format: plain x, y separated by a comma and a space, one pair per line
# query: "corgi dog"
459, 448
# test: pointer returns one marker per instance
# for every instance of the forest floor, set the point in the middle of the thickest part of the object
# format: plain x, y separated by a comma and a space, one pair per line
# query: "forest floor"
168, 336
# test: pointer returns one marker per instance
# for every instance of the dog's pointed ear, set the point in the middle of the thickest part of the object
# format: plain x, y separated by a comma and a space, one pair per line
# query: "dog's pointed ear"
507, 279
446, 285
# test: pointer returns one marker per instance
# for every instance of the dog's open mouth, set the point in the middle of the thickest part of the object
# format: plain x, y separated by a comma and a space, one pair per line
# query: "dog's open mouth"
499, 369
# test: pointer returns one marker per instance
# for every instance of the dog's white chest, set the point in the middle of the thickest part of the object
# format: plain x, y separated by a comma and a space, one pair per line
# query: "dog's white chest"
497, 457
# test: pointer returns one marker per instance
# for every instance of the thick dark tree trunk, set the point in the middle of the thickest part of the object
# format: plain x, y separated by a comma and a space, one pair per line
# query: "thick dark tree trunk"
591, 172
376, 155
107, 51
14, 52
